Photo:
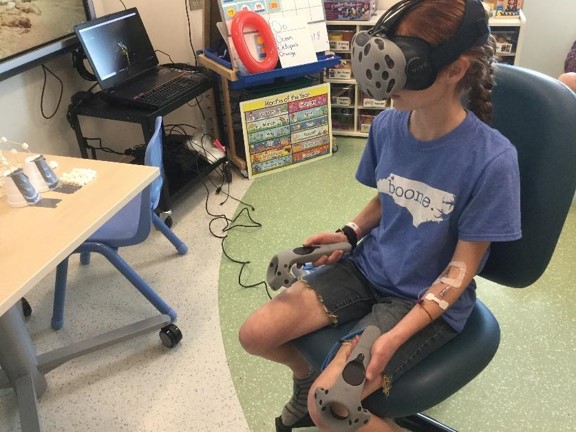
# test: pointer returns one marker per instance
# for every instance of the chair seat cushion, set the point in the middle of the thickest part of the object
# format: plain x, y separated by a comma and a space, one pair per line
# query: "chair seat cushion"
442, 374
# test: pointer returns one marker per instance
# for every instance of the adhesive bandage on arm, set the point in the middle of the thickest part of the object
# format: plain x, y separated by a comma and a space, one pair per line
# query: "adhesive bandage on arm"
443, 304
454, 282
450, 282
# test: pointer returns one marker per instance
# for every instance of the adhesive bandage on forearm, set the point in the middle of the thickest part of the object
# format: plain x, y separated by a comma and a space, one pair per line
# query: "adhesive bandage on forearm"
457, 281
443, 304
450, 282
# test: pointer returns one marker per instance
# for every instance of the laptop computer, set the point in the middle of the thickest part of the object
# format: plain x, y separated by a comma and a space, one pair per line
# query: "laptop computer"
121, 55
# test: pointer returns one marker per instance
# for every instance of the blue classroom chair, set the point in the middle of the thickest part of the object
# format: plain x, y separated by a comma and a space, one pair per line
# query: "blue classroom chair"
130, 226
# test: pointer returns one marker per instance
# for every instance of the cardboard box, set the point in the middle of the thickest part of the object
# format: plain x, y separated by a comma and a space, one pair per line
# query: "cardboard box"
365, 120
349, 10
339, 40
343, 70
505, 41
368, 102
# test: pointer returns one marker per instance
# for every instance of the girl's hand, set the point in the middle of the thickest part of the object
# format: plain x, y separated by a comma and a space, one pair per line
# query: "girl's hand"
325, 238
382, 351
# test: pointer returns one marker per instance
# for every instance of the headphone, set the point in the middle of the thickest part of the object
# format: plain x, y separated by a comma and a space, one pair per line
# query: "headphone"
384, 63
79, 62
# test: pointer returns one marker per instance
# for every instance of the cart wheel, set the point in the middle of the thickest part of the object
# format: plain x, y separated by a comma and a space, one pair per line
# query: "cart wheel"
26, 308
170, 335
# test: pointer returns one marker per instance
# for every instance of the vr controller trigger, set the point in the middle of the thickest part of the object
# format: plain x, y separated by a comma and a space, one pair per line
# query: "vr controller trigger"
304, 250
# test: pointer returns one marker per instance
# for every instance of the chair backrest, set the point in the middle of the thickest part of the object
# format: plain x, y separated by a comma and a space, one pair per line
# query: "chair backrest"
129, 226
153, 157
132, 224
538, 115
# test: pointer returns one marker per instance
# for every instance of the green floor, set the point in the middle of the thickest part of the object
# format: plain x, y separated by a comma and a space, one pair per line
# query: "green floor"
529, 386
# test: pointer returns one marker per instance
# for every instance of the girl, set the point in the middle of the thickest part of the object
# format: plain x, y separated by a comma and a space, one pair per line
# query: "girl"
447, 185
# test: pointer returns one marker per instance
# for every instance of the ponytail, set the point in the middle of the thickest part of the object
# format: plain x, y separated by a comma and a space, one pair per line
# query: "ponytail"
479, 79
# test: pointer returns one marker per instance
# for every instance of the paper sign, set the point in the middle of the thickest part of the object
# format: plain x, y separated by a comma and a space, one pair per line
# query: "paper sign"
310, 11
292, 36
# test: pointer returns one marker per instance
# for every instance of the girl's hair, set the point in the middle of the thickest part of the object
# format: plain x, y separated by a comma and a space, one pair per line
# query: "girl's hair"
570, 63
436, 21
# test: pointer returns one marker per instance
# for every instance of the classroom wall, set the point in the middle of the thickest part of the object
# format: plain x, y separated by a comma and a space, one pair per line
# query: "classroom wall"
20, 115
550, 32
549, 35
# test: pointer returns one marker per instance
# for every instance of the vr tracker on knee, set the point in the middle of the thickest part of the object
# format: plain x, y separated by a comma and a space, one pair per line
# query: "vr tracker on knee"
384, 63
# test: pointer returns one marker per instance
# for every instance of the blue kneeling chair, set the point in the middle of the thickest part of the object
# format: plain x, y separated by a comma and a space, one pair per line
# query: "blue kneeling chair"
538, 115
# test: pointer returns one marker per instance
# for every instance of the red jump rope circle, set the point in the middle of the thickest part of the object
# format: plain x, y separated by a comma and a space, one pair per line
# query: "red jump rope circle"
248, 18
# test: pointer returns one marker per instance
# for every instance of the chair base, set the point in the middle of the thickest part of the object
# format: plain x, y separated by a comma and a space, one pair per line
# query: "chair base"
415, 423
422, 423
173, 238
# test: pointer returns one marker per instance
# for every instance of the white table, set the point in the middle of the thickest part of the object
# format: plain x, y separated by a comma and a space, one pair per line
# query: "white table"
33, 241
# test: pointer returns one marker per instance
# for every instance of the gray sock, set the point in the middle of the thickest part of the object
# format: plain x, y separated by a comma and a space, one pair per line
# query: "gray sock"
297, 406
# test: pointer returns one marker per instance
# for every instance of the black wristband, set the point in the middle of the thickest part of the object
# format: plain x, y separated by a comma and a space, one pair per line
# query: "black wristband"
350, 235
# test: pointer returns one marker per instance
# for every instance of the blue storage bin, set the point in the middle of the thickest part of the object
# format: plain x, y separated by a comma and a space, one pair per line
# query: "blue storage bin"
249, 80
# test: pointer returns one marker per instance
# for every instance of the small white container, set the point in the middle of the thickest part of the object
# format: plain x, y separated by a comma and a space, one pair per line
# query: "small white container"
33, 173
14, 196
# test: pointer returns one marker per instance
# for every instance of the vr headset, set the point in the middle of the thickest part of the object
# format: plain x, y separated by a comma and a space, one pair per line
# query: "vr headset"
384, 63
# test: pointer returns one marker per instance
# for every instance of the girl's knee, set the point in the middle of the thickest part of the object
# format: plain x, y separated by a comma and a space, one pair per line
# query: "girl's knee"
249, 336
326, 379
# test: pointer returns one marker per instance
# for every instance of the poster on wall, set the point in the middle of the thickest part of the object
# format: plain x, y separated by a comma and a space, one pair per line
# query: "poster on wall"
286, 129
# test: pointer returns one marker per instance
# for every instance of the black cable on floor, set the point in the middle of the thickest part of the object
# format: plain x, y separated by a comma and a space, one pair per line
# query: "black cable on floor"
230, 224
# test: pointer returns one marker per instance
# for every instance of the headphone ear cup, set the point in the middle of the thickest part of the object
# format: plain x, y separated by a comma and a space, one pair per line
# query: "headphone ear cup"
79, 59
378, 65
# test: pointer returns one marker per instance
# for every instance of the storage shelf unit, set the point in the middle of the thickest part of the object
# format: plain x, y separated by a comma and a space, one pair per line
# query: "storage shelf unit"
352, 111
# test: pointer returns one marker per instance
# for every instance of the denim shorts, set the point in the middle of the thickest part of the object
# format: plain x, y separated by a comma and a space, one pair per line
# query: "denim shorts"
348, 296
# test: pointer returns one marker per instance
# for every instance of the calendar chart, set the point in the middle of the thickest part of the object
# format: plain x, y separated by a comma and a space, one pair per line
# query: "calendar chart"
286, 129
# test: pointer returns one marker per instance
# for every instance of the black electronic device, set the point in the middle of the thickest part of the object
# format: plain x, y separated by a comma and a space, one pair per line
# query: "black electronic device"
384, 63
125, 64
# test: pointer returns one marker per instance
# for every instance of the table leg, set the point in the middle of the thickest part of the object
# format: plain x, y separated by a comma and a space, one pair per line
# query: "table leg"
20, 365
28, 404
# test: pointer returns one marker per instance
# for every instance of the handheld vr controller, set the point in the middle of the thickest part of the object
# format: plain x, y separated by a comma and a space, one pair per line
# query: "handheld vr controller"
340, 405
280, 269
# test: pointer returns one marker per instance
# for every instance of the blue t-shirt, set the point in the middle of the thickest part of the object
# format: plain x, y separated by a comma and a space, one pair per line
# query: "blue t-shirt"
464, 185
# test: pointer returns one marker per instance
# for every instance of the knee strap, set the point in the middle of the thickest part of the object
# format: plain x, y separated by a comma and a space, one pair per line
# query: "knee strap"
340, 406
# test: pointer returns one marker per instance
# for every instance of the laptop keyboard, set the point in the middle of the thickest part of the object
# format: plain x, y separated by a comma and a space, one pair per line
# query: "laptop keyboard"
167, 91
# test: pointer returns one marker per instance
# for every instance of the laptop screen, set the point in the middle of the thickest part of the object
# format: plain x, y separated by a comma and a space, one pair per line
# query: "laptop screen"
117, 47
